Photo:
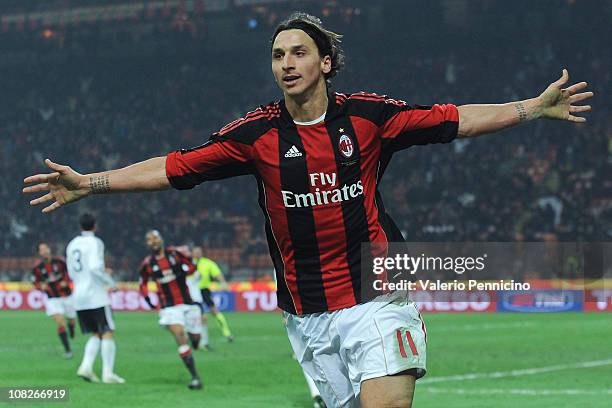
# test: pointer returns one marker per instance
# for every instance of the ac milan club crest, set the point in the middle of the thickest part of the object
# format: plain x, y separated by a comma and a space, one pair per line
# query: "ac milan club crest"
346, 146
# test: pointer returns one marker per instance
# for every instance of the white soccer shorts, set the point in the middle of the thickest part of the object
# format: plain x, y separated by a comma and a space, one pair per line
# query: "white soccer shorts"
186, 315
60, 305
343, 348
195, 294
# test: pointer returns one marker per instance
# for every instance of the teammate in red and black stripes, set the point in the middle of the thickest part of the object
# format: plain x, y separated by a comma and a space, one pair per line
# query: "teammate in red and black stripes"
169, 269
50, 275
318, 158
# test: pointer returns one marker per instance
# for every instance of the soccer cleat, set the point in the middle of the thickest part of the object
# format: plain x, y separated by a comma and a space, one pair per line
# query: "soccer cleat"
195, 384
68, 355
88, 376
112, 379
230, 339
317, 402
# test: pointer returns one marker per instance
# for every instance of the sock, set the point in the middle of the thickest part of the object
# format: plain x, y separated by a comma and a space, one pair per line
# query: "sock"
195, 340
204, 336
71, 329
108, 356
90, 354
314, 391
185, 353
223, 325
61, 331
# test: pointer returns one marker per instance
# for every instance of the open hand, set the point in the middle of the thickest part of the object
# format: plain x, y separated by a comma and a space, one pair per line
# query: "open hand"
64, 186
558, 103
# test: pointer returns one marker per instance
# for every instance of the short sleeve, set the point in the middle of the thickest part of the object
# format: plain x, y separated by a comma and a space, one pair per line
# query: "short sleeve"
214, 269
401, 125
186, 262
421, 125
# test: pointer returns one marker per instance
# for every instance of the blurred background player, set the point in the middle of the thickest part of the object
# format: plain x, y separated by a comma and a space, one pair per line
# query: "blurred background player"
209, 271
169, 268
92, 281
193, 282
51, 277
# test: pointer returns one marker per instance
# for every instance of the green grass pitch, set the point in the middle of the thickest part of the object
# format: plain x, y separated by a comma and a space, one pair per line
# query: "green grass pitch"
257, 369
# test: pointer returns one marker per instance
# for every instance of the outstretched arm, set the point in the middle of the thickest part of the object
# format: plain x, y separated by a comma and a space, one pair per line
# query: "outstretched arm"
554, 103
64, 185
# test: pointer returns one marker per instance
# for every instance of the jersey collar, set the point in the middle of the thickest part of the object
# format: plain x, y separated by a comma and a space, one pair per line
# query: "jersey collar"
332, 110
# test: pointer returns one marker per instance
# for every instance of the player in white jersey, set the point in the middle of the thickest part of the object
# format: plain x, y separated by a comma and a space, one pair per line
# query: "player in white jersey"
85, 259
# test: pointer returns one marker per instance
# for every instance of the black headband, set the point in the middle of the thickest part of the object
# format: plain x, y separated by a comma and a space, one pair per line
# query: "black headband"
320, 39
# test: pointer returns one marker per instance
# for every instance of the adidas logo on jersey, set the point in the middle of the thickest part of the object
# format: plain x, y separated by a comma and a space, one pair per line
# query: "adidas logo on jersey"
293, 152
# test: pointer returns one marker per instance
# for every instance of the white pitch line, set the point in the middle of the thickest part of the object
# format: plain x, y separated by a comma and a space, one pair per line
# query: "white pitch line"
516, 373
514, 391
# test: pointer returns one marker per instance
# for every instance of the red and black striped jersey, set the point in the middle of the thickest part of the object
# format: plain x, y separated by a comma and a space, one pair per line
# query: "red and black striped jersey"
318, 186
54, 275
169, 273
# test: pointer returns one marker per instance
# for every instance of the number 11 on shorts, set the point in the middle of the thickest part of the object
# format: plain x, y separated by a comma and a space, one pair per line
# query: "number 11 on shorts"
400, 341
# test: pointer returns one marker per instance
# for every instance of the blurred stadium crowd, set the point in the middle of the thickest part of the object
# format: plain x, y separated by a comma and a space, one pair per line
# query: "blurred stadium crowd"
106, 94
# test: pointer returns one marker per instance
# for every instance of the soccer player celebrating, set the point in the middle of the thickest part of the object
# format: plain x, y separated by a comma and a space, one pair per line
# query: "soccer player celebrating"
318, 158
51, 276
92, 282
209, 271
169, 269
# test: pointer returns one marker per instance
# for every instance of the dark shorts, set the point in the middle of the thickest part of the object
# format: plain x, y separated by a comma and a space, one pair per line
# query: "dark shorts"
97, 321
207, 297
